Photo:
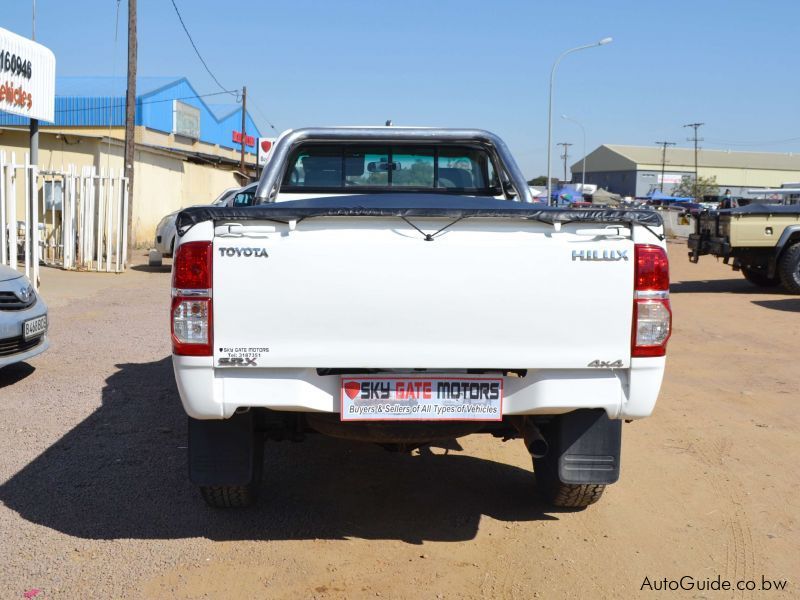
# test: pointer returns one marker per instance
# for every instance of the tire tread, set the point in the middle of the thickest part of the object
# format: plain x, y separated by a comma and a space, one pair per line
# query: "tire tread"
568, 495
228, 496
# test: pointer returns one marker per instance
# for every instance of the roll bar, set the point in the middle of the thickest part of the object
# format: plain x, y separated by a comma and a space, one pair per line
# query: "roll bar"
270, 181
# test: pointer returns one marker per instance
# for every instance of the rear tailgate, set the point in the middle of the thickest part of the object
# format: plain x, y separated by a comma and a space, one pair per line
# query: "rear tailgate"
370, 292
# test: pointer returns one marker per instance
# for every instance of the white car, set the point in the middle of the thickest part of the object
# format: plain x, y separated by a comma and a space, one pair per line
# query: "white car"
399, 286
165, 230
23, 319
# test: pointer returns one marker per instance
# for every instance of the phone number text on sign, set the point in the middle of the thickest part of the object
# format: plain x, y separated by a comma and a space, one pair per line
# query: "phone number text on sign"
421, 399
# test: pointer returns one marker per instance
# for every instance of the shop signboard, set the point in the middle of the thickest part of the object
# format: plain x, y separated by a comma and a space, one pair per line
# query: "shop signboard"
185, 120
27, 77
265, 146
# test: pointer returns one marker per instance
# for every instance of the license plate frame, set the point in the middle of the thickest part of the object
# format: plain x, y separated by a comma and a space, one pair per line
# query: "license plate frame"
33, 328
474, 398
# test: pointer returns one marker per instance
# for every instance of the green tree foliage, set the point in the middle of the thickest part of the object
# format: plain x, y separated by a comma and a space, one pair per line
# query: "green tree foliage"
698, 189
419, 174
542, 180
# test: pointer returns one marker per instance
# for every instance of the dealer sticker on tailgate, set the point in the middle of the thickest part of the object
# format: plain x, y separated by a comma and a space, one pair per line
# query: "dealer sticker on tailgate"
438, 398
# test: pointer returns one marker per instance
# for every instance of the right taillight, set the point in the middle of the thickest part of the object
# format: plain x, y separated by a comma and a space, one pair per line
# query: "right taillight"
652, 314
191, 300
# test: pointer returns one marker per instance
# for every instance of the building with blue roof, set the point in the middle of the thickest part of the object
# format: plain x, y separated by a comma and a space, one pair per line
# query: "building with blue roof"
187, 150
163, 104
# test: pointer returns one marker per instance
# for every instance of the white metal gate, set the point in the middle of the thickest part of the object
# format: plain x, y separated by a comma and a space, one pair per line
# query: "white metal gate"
66, 219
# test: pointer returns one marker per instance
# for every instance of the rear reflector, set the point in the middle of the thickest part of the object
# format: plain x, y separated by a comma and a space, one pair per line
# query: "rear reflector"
191, 303
192, 266
652, 314
652, 268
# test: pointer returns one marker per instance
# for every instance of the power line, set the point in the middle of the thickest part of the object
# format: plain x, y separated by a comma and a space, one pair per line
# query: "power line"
189, 35
263, 116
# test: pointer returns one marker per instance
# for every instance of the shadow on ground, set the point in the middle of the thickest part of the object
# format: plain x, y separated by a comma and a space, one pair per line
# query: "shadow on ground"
122, 473
787, 304
13, 373
164, 268
722, 286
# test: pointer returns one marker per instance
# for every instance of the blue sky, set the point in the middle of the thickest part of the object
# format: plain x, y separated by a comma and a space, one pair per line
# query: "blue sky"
464, 63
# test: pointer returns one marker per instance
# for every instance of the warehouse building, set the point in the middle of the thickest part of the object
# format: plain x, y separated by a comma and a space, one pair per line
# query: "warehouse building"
187, 150
636, 170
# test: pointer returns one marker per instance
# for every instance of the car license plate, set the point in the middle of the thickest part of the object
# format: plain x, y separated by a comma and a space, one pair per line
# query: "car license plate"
437, 398
34, 327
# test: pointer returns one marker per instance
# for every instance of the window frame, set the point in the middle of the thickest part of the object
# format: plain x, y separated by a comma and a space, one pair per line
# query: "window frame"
344, 147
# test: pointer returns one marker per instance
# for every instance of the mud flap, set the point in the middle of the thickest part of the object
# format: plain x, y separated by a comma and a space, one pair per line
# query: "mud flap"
587, 444
224, 452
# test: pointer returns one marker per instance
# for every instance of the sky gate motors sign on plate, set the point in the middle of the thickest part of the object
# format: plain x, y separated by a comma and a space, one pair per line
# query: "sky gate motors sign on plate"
437, 398
27, 77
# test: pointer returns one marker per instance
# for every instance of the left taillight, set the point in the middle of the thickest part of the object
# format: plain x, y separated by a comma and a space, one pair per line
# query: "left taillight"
191, 300
652, 313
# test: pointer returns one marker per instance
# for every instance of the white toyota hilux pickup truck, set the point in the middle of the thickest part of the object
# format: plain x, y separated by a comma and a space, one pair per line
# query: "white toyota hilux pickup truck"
399, 286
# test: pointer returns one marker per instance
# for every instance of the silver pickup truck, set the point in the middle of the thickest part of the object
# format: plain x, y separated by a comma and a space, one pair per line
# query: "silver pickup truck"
398, 286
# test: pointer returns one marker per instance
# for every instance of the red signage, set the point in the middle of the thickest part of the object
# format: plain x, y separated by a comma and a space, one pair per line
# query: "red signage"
248, 139
15, 95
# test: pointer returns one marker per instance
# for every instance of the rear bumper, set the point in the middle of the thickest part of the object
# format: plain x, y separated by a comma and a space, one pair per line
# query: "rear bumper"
209, 393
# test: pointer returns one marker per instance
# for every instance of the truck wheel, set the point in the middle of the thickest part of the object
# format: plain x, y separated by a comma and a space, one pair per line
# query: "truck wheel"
226, 459
789, 268
229, 496
563, 495
759, 277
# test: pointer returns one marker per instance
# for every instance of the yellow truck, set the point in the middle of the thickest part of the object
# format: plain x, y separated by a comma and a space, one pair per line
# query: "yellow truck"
760, 240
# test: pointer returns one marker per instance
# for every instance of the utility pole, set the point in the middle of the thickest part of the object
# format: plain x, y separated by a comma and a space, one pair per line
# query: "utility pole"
664, 159
34, 123
695, 139
33, 142
244, 128
130, 118
565, 156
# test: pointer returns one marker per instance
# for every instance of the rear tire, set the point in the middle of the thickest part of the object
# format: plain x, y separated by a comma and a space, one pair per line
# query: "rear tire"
559, 494
229, 496
227, 460
789, 268
759, 277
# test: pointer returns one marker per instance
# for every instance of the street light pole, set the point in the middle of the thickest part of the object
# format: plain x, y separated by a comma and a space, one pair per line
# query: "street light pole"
583, 168
603, 42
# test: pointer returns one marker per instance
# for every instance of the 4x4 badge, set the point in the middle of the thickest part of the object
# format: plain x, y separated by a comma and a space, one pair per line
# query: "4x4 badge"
602, 364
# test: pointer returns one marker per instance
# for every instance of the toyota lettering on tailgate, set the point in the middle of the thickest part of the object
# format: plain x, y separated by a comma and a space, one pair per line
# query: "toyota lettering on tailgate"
438, 398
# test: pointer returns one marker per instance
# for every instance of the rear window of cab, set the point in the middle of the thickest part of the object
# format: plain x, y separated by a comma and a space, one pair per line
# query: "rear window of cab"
397, 167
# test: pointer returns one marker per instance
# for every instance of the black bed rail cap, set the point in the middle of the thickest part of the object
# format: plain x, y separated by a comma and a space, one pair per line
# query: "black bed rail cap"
412, 205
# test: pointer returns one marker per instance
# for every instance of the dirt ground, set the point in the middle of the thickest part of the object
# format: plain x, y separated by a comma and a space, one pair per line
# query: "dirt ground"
96, 501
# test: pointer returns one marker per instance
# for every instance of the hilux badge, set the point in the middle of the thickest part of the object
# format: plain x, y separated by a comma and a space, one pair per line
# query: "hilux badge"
598, 255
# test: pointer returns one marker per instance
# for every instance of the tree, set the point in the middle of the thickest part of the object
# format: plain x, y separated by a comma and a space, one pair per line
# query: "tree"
698, 189
542, 180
